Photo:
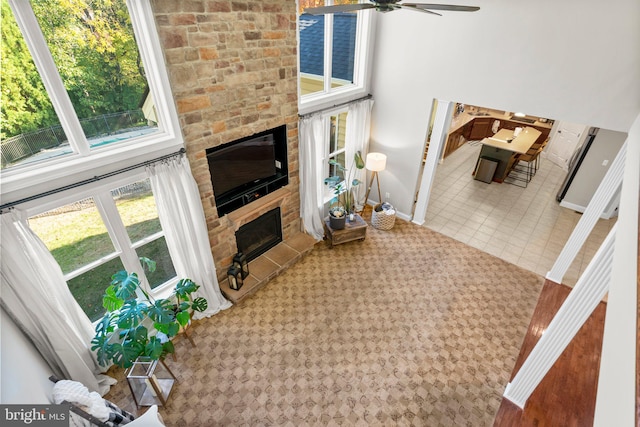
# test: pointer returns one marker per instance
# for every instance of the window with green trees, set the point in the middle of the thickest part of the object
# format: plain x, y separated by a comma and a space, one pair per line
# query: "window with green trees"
87, 58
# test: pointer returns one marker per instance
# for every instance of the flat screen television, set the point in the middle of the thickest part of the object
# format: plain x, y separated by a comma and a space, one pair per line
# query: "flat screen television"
242, 163
250, 166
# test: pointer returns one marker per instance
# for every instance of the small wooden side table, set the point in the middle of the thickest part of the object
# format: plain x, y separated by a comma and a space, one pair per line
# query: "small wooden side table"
353, 230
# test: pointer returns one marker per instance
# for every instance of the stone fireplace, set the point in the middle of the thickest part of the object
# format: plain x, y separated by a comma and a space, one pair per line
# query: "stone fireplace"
232, 70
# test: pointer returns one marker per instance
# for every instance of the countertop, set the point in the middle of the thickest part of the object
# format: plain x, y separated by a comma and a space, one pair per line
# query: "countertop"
459, 120
519, 144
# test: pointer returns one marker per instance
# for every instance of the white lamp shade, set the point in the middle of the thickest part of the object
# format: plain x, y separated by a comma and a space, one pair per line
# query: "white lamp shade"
376, 162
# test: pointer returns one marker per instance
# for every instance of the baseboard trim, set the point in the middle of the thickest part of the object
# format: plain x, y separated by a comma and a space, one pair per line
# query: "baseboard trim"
581, 209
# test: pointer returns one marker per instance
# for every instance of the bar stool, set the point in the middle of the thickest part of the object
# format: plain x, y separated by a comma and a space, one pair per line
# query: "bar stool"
526, 173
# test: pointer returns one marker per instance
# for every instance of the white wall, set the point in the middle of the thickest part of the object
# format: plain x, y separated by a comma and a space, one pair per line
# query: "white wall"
605, 146
23, 372
574, 60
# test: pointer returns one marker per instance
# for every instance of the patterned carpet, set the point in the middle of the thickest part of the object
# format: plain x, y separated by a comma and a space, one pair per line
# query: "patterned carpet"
408, 327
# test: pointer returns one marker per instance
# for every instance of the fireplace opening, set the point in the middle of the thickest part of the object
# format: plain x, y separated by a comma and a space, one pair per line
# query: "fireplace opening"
258, 236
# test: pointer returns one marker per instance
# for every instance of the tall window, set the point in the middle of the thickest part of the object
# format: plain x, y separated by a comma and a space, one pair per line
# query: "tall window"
93, 238
85, 92
29, 123
333, 50
83, 84
336, 150
96, 58
337, 133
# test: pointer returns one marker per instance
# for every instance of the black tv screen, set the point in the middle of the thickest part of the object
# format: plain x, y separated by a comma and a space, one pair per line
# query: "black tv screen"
241, 164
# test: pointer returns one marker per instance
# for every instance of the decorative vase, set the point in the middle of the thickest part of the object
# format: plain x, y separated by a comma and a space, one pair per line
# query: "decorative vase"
337, 223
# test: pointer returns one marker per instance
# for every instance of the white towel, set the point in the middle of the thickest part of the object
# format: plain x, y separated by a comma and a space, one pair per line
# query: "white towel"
496, 126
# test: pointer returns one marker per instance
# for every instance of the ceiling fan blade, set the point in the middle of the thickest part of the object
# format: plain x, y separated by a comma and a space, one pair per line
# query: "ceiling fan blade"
450, 7
337, 8
414, 7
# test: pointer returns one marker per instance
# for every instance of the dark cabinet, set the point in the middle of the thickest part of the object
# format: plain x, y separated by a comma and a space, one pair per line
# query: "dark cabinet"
505, 124
455, 140
480, 129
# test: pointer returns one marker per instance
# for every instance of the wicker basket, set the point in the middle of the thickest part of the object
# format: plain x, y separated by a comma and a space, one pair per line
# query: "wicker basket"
381, 220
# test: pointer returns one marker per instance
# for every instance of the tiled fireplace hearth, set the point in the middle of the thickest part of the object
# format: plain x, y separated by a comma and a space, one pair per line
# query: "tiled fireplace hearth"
275, 260
269, 265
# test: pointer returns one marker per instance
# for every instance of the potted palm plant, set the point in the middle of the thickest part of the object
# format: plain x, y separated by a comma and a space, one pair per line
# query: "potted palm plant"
344, 202
136, 324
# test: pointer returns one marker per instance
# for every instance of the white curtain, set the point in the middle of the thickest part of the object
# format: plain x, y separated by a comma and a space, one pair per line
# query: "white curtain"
311, 148
357, 139
35, 294
182, 218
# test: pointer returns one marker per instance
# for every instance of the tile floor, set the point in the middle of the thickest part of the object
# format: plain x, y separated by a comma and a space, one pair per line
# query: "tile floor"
525, 226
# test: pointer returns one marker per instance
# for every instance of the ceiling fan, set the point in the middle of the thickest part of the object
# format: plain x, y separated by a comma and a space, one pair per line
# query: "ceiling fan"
388, 6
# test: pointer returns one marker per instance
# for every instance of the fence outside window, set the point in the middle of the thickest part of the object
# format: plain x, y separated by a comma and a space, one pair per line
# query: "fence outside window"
28, 144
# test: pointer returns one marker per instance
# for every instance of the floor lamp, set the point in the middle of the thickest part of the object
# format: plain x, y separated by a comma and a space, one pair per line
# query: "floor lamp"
376, 162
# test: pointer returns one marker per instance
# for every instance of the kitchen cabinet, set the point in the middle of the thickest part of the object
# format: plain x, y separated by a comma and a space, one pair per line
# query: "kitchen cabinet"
455, 140
470, 127
506, 124
480, 128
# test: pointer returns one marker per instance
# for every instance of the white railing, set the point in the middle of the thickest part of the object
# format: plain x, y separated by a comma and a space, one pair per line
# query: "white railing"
613, 269
607, 190
616, 400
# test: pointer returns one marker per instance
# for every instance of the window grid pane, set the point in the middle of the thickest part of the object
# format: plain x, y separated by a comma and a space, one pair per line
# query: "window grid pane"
312, 34
30, 127
158, 251
88, 288
74, 234
334, 170
137, 208
337, 133
342, 31
93, 46
343, 47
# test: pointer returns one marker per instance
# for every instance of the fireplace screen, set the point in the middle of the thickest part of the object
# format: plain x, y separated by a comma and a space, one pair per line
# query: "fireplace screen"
260, 235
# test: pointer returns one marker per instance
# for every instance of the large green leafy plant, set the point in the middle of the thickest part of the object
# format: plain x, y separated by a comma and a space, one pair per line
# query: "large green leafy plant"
130, 326
343, 191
